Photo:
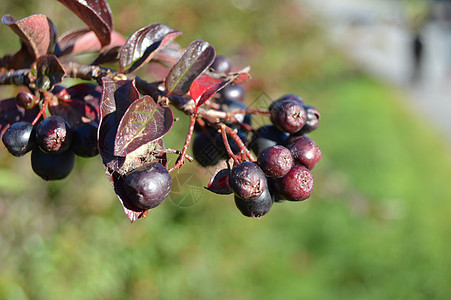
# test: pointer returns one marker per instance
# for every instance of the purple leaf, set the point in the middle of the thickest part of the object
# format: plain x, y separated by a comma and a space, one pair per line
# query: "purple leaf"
143, 44
110, 54
116, 98
196, 59
37, 32
84, 40
48, 70
96, 14
144, 122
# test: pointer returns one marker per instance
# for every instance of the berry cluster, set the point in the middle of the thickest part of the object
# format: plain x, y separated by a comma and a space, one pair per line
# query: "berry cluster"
282, 170
123, 117
52, 141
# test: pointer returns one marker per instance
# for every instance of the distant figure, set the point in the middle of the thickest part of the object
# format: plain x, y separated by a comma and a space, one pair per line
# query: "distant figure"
442, 15
417, 55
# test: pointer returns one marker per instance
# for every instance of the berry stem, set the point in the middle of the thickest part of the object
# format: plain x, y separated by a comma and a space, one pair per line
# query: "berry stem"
181, 159
42, 111
227, 145
240, 143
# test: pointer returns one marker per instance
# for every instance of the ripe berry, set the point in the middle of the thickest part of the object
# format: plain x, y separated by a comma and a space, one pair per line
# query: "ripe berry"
19, 138
147, 186
84, 140
221, 64
312, 121
275, 161
297, 185
267, 136
255, 208
220, 183
54, 135
208, 148
233, 91
288, 115
247, 180
293, 97
26, 100
52, 166
305, 151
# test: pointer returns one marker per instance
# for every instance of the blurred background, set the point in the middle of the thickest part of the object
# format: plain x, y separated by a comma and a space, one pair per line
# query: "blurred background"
377, 225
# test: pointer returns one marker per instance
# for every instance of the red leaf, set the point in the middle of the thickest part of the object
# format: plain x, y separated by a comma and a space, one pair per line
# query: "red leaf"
205, 86
96, 14
37, 32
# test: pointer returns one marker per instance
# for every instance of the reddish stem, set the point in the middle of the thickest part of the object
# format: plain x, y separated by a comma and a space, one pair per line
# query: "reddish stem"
181, 159
227, 145
240, 143
42, 111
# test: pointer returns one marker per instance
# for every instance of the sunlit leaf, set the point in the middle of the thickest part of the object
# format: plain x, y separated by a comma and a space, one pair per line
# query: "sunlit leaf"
84, 40
196, 59
205, 86
96, 14
143, 122
143, 44
37, 32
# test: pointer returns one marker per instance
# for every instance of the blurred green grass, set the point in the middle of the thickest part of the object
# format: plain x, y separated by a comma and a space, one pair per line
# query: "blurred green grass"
376, 226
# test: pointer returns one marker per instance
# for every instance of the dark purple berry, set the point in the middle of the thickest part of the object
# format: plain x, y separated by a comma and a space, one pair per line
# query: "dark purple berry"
147, 186
305, 151
255, 208
247, 180
220, 183
293, 97
288, 115
233, 91
275, 161
52, 166
54, 135
26, 100
208, 148
297, 185
267, 136
19, 138
222, 64
84, 140
274, 189
312, 121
